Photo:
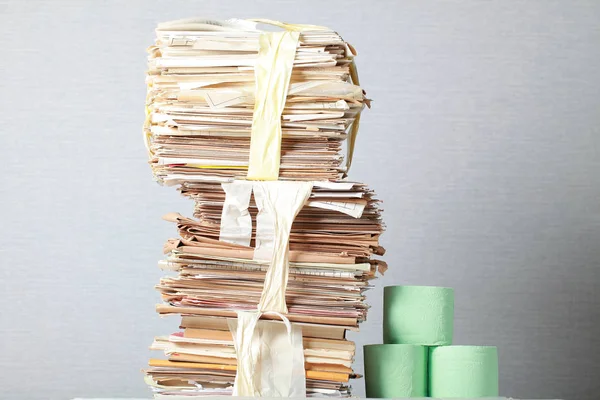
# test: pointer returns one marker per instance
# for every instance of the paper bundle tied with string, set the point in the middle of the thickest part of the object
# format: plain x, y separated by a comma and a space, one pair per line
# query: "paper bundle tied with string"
273, 269
214, 87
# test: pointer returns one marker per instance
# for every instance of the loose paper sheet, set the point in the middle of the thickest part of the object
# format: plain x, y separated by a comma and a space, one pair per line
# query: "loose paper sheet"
236, 222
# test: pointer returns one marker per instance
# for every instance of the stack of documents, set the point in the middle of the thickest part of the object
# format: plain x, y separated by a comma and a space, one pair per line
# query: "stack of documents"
200, 103
200, 108
330, 268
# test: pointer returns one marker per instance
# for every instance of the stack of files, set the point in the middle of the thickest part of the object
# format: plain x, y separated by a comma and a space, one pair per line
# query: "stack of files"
200, 103
202, 361
199, 108
341, 202
329, 272
330, 265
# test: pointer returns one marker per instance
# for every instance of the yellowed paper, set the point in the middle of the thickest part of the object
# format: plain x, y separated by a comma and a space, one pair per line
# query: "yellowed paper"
272, 70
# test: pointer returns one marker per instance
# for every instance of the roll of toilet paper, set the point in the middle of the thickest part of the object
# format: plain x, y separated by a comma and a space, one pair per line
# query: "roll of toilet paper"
463, 371
422, 315
395, 370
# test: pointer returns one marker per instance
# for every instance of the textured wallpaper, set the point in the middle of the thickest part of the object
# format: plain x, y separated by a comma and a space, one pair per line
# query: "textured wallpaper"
483, 142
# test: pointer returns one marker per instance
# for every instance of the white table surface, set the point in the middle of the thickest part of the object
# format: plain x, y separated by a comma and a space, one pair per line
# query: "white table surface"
303, 398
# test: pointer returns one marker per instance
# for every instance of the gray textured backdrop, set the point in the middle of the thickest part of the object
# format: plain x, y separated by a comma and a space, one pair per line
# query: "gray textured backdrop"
483, 142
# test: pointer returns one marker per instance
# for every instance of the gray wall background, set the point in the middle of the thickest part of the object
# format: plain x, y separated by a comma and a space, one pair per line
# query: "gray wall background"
483, 143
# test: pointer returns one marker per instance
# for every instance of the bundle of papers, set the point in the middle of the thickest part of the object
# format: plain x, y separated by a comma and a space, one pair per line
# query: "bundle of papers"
330, 268
200, 107
203, 362
200, 102
340, 224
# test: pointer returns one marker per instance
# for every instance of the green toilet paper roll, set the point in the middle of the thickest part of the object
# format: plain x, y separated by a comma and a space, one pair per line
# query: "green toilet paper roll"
421, 315
395, 370
463, 371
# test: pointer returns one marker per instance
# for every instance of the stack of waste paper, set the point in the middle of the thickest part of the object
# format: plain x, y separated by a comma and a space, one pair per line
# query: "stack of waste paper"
272, 269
